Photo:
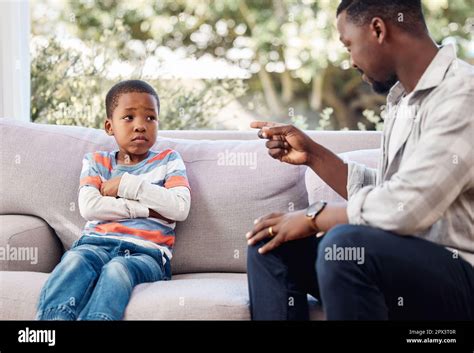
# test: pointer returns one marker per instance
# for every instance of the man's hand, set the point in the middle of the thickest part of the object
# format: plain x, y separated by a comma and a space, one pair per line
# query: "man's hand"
286, 143
291, 145
284, 227
110, 187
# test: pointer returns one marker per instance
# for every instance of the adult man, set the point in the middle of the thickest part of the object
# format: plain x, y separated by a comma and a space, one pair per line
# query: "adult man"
404, 216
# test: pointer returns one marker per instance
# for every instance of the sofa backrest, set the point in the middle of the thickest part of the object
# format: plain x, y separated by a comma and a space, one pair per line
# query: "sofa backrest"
336, 141
233, 181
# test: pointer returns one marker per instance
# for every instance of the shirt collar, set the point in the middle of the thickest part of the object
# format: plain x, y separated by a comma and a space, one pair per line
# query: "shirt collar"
433, 75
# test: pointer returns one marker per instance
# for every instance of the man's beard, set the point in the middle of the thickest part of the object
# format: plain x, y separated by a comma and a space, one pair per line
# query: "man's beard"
381, 87
385, 86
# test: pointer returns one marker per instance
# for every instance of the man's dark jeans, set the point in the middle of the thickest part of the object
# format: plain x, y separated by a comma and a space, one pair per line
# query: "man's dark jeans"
361, 273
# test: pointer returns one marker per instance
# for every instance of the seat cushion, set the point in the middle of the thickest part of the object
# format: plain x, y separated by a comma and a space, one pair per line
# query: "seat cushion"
200, 296
19, 294
28, 243
203, 296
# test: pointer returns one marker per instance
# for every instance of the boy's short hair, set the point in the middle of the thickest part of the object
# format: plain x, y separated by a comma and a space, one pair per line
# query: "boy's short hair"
112, 97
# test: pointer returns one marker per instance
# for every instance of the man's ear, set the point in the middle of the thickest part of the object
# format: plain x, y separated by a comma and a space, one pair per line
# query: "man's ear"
108, 127
378, 29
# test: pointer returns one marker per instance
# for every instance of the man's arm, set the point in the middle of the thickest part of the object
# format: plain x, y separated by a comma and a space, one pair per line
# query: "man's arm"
330, 168
332, 215
291, 145
294, 225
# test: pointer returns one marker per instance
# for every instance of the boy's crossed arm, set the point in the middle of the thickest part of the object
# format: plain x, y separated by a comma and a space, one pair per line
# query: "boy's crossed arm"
110, 188
169, 203
137, 198
93, 206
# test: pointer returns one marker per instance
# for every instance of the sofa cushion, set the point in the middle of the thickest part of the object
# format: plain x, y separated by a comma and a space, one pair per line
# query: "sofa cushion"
233, 182
204, 296
318, 190
28, 243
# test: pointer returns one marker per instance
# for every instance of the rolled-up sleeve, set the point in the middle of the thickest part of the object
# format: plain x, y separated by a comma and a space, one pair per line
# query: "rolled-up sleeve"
358, 177
429, 180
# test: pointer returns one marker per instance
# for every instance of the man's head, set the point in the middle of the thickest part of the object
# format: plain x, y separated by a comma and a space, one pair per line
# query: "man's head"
370, 29
132, 109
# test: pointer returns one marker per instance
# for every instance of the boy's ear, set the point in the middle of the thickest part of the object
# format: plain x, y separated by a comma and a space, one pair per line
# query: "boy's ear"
108, 127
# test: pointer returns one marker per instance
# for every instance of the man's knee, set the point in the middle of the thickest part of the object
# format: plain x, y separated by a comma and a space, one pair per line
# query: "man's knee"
343, 235
344, 245
253, 256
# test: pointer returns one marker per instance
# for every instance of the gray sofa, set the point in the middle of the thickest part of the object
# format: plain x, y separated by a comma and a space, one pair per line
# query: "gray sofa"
233, 181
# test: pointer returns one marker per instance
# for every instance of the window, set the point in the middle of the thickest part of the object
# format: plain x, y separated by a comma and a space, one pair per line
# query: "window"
14, 60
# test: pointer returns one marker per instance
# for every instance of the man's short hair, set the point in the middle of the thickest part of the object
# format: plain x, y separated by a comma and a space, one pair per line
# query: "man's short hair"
405, 14
112, 98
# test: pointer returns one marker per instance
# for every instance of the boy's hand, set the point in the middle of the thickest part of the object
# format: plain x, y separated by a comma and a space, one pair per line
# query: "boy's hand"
110, 187
155, 214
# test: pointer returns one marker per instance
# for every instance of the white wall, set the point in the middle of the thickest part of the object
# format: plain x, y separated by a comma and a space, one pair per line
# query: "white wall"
14, 59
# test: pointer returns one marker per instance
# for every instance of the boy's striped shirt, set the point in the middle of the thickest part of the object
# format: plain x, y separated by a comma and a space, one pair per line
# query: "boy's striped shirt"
165, 169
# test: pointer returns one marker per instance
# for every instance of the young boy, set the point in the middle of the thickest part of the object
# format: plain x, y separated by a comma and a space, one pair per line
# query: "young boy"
131, 199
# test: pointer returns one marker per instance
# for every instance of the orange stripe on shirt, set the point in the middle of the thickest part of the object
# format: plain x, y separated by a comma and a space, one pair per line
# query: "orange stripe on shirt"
91, 180
152, 235
160, 156
175, 181
105, 161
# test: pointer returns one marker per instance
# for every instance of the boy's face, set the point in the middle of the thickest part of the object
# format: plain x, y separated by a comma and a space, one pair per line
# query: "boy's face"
134, 123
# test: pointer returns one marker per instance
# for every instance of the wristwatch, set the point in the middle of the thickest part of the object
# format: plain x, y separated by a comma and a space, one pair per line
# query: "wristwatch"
313, 210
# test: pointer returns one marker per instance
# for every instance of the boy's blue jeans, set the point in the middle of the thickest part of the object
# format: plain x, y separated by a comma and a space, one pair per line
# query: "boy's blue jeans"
95, 279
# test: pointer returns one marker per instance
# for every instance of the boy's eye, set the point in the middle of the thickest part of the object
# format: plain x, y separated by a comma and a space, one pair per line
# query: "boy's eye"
151, 117
128, 117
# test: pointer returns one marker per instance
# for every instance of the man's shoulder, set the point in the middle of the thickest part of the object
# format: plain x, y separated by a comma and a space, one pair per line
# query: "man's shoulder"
459, 77
456, 88
450, 101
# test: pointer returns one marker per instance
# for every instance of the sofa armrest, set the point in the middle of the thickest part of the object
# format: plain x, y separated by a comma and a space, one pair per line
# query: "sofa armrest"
28, 243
